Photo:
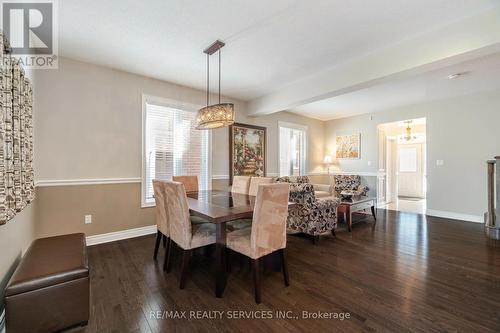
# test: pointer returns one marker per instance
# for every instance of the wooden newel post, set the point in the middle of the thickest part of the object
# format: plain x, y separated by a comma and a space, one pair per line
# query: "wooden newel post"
491, 194
492, 227
497, 188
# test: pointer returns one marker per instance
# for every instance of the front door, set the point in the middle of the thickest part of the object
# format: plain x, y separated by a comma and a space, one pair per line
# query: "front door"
411, 170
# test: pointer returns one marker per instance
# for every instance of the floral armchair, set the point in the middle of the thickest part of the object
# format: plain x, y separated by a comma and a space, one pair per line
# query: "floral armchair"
310, 215
320, 190
292, 179
349, 183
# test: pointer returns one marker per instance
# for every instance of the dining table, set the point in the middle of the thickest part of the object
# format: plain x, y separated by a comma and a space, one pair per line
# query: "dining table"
219, 207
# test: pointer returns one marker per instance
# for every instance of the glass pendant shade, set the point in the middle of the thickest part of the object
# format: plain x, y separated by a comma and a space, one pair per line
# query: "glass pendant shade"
215, 116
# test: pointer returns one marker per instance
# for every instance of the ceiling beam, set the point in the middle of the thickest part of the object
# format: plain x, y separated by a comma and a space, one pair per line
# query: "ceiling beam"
463, 40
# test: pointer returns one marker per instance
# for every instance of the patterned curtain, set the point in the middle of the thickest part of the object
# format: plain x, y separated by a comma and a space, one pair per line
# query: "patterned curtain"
16, 136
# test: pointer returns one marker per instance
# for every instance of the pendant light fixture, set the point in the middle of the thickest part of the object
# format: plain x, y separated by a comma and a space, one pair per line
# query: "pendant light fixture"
408, 136
216, 115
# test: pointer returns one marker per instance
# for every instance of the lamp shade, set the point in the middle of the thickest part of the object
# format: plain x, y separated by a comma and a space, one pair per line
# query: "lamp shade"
215, 116
327, 159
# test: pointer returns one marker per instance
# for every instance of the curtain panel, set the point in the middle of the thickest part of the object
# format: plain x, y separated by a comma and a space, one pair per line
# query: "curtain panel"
17, 188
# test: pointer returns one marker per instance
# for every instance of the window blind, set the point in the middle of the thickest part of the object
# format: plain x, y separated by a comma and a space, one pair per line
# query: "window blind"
173, 147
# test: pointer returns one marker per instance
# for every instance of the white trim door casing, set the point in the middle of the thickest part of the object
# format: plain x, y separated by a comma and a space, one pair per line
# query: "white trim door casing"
305, 144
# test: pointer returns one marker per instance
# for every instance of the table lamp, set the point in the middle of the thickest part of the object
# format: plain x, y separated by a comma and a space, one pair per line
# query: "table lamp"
327, 160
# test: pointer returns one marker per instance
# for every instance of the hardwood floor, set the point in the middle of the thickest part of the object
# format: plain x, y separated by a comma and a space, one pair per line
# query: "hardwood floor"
406, 273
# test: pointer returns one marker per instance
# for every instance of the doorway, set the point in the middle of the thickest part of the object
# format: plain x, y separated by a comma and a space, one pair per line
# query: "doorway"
402, 169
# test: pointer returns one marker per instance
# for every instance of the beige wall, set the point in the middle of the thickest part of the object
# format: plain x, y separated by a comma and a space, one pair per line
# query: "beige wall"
271, 122
461, 131
89, 123
61, 209
89, 126
89, 120
15, 237
17, 234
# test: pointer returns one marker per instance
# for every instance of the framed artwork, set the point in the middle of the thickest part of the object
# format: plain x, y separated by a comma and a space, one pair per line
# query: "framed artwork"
348, 146
247, 151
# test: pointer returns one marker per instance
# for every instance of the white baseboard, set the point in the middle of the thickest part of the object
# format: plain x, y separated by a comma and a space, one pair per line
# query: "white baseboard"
381, 204
455, 216
151, 229
119, 235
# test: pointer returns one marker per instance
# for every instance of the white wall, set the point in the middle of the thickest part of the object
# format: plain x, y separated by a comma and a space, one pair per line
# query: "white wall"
89, 123
461, 131
89, 120
89, 126
315, 142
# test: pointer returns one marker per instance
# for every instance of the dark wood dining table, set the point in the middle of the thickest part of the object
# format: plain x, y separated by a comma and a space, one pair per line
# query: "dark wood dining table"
220, 207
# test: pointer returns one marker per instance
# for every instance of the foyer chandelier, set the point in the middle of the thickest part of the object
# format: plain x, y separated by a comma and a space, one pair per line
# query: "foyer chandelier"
408, 136
216, 115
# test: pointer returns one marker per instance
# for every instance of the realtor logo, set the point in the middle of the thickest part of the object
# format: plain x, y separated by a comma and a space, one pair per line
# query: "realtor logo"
31, 30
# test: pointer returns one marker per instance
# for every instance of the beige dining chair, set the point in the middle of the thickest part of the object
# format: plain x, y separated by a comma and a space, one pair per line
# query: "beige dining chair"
186, 235
190, 182
239, 199
241, 184
191, 185
161, 215
267, 233
256, 181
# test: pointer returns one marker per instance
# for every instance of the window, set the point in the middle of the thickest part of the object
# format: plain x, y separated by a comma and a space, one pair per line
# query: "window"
292, 146
172, 147
408, 159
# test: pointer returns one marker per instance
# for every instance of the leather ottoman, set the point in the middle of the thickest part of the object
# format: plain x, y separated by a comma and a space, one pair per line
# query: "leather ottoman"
49, 290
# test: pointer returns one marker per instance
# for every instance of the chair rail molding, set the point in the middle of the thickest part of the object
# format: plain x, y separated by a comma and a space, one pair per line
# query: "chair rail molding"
220, 177
358, 173
226, 177
95, 181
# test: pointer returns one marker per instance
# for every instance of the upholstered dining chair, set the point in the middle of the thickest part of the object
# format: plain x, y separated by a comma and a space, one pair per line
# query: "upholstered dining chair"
191, 185
186, 235
254, 186
190, 182
256, 181
267, 233
161, 215
241, 184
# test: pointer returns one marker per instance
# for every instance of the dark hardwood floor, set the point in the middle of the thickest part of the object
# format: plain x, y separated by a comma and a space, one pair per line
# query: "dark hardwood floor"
406, 273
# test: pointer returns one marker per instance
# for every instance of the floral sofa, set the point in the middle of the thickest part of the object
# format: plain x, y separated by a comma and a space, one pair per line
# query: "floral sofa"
321, 190
310, 215
348, 183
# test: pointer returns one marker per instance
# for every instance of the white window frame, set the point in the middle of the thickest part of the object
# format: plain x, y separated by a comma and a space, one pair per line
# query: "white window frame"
306, 143
169, 103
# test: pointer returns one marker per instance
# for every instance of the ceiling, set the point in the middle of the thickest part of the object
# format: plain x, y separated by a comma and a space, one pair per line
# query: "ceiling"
269, 43
481, 74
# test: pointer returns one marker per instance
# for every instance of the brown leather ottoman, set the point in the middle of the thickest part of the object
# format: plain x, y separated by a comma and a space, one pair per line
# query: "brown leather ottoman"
49, 290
